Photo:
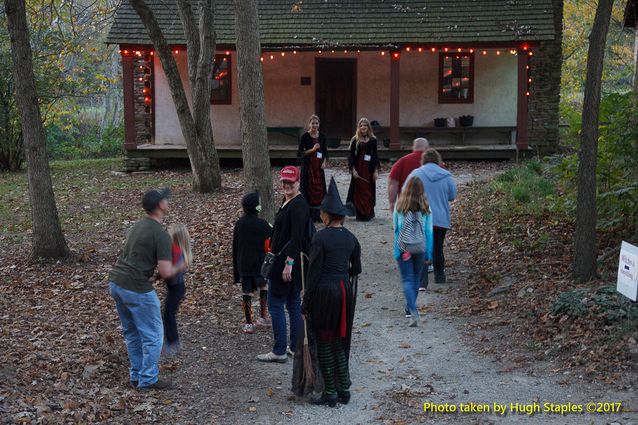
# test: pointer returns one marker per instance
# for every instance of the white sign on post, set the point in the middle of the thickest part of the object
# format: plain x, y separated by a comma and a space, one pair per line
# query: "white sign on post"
628, 271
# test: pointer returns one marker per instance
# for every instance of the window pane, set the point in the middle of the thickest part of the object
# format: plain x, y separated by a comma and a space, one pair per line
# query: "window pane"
221, 81
456, 78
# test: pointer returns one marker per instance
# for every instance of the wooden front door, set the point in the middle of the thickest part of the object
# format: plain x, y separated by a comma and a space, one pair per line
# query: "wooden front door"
335, 96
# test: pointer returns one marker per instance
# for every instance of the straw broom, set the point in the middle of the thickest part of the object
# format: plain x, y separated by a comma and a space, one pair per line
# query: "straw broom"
308, 371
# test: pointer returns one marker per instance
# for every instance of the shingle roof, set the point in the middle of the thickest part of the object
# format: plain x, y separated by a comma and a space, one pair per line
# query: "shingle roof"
350, 23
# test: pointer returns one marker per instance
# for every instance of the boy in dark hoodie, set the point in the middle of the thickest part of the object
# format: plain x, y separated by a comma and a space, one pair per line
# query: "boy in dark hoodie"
250, 240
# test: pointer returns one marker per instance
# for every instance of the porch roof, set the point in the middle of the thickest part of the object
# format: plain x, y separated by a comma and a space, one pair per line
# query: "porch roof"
358, 23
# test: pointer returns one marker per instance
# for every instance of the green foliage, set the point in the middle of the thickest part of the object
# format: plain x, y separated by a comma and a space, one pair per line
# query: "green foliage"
74, 73
88, 141
604, 302
617, 169
572, 303
578, 18
526, 189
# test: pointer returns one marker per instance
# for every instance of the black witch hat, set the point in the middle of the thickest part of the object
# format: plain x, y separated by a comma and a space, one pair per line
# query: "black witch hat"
332, 202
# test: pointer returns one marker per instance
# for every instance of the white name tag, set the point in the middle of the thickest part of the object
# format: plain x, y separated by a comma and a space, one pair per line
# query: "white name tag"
367, 158
319, 155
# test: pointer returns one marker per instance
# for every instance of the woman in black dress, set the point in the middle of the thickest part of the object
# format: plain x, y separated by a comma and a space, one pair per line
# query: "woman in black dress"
363, 163
329, 298
312, 154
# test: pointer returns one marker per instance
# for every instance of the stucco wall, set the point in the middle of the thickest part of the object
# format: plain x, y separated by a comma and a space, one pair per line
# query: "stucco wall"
225, 118
288, 103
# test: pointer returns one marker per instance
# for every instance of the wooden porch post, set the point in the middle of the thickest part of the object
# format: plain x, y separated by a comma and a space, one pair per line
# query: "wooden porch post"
395, 134
129, 104
521, 113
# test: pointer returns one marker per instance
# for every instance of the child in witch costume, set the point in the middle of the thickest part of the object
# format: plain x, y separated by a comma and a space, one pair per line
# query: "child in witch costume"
329, 298
250, 241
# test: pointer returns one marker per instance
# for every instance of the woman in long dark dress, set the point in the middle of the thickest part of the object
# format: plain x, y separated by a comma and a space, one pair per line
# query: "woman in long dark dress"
363, 163
329, 298
312, 154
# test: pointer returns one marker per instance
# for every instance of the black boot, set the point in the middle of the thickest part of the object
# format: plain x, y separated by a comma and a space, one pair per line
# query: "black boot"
439, 277
343, 397
325, 400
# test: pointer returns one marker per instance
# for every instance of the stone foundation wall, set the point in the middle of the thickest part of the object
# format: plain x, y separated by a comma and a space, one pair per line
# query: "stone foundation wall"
545, 72
143, 93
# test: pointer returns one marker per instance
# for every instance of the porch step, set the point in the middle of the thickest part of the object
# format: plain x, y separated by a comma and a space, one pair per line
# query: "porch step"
289, 152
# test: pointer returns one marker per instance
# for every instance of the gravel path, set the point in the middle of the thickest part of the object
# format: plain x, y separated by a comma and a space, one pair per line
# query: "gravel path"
395, 369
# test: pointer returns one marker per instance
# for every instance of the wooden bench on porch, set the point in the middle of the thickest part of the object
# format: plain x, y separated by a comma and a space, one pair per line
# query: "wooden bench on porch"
283, 135
459, 133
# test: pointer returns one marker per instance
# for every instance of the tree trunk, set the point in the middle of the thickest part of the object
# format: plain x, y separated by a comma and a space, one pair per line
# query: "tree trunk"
196, 127
47, 237
636, 60
255, 153
585, 246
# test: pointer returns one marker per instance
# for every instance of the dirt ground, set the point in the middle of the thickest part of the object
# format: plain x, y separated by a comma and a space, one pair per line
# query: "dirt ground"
63, 358
395, 369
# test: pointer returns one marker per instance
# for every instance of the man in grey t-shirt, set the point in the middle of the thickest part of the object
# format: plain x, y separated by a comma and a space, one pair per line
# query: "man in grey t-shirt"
148, 245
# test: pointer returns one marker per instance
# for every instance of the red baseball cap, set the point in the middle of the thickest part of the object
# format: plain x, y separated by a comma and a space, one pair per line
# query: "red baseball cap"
289, 173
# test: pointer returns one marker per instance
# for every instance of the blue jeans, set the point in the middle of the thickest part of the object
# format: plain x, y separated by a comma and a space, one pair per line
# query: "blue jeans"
292, 303
143, 332
174, 294
411, 278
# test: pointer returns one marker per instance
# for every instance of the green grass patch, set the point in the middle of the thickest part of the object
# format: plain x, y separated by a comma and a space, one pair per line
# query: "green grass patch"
525, 189
80, 186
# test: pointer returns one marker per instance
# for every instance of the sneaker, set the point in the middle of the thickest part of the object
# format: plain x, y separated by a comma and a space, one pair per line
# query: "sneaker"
430, 268
263, 322
290, 352
422, 289
414, 322
272, 358
407, 314
248, 328
159, 385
